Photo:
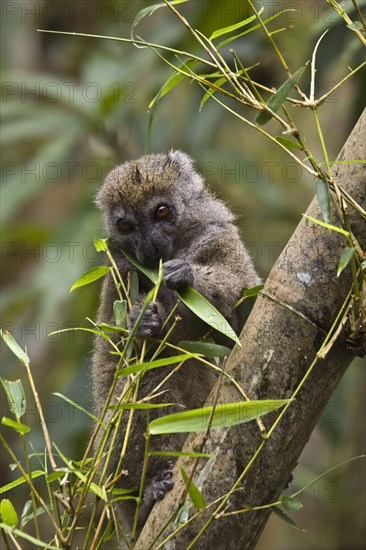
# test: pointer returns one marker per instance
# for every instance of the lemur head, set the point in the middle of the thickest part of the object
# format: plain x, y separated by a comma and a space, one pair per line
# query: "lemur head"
150, 203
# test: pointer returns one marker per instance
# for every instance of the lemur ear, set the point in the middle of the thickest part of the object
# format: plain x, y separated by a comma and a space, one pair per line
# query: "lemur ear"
183, 166
181, 161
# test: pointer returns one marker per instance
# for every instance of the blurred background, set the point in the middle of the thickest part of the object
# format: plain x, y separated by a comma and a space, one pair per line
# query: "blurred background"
72, 108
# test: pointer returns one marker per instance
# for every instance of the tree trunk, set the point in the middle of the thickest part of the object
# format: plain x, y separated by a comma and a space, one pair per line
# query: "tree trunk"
286, 328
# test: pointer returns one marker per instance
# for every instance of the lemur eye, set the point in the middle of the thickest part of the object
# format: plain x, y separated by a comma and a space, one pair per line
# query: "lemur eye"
162, 212
124, 226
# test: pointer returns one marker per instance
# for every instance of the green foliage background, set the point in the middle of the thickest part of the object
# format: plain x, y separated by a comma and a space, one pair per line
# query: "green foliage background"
74, 107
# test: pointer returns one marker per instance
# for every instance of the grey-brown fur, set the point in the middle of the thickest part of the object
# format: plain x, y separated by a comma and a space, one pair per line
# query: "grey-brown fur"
200, 246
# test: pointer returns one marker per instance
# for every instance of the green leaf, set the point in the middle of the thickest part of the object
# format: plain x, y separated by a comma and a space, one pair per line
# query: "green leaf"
254, 28
152, 274
79, 407
155, 364
149, 11
93, 487
323, 196
205, 348
120, 313
245, 305
105, 327
227, 414
28, 514
101, 245
50, 478
291, 504
8, 513
17, 426
207, 312
193, 300
231, 28
18, 533
328, 225
139, 406
14, 346
356, 26
278, 512
172, 81
278, 98
252, 292
84, 329
211, 91
20, 481
194, 492
346, 256
70, 467
183, 515
16, 396
90, 276
134, 287
289, 143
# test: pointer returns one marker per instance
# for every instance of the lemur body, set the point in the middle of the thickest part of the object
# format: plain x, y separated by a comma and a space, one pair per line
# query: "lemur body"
157, 207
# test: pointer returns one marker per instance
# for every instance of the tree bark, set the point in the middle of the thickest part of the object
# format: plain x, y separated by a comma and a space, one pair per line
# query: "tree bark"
286, 328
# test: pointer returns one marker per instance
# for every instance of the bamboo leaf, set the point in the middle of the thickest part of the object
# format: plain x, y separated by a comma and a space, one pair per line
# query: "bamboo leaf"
16, 396
355, 26
70, 467
145, 12
346, 256
211, 91
14, 346
252, 292
328, 225
152, 274
84, 329
194, 492
323, 197
224, 415
279, 513
17, 426
279, 97
120, 313
134, 287
36, 542
79, 407
172, 81
207, 312
183, 514
8, 513
105, 327
139, 406
101, 245
231, 28
254, 28
133, 369
193, 300
289, 143
90, 276
28, 514
205, 348
291, 504
54, 476
20, 481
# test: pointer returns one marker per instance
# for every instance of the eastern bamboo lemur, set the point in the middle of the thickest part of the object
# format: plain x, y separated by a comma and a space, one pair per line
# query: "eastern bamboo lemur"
157, 207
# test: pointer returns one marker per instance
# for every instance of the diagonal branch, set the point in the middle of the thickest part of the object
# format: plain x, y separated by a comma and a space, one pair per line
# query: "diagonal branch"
280, 355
